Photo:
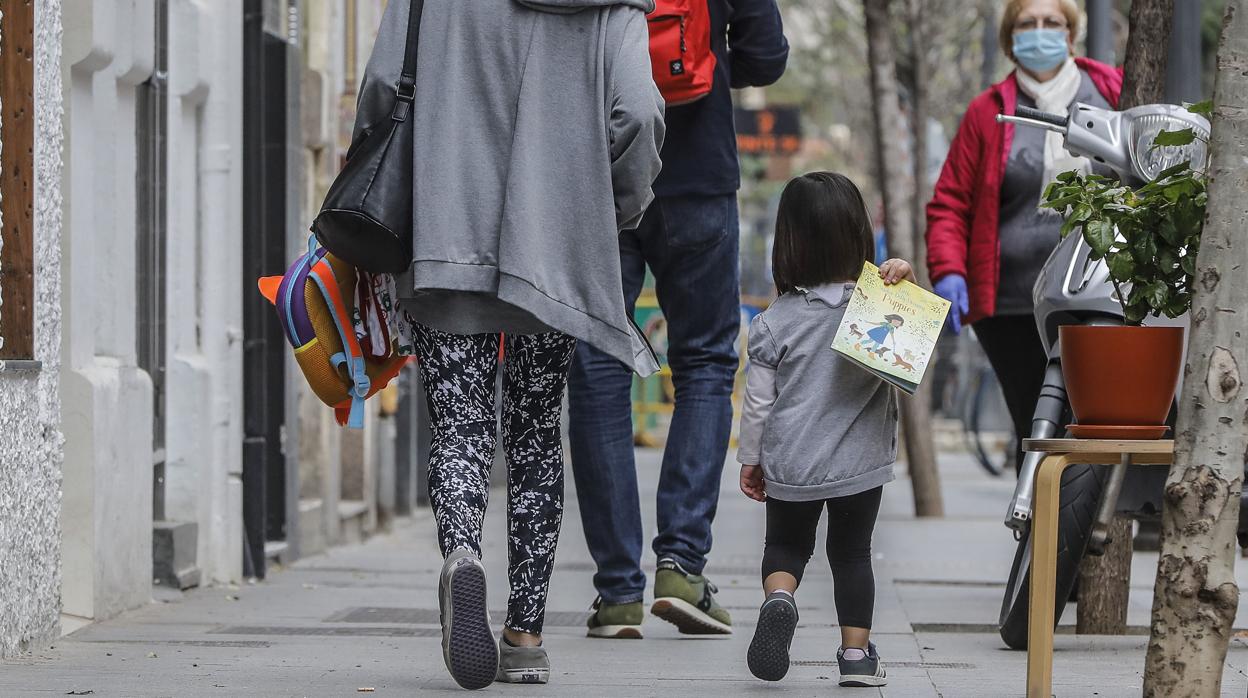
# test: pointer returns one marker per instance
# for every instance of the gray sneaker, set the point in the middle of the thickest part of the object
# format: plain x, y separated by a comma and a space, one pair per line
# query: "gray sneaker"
768, 657
522, 664
867, 672
467, 644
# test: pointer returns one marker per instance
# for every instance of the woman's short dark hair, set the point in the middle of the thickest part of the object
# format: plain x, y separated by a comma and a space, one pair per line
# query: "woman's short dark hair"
823, 232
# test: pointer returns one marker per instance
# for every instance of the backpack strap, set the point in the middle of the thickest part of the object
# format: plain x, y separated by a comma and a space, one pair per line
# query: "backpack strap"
352, 357
284, 299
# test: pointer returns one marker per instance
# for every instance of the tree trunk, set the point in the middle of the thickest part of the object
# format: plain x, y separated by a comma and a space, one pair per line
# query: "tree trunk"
898, 220
918, 130
1105, 581
1148, 50
1195, 597
1103, 599
991, 44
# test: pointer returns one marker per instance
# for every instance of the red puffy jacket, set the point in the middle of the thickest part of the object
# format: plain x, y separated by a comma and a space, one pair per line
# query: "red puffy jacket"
963, 213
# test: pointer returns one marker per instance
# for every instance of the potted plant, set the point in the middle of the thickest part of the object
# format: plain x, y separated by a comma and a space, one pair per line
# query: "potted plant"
1125, 376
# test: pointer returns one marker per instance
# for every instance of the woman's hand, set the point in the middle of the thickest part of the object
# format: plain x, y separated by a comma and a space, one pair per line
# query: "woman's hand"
895, 270
953, 289
752, 483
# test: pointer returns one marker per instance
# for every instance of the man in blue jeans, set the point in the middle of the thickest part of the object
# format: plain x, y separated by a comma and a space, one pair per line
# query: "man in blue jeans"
689, 238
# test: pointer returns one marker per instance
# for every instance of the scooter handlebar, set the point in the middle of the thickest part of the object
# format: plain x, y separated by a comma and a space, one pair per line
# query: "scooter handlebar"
1037, 115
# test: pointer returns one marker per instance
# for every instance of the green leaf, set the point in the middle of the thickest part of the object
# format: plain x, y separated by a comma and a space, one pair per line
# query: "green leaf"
1068, 176
1167, 259
1099, 235
1081, 213
1134, 313
1179, 303
1173, 169
1121, 266
1144, 249
1179, 188
1188, 221
1156, 294
1062, 202
1188, 262
1174, 138
1204, 108
1068, 226
1169, 233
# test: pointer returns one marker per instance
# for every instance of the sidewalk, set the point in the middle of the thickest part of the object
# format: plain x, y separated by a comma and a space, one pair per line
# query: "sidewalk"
366, 617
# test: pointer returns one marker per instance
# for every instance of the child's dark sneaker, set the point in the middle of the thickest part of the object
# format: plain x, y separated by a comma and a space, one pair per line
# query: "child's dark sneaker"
769, 651
620, 621
861, 669
468, 645
522, 664
688, 601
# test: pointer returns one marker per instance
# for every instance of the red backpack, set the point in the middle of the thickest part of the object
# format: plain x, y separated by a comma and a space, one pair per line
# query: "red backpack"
680, 50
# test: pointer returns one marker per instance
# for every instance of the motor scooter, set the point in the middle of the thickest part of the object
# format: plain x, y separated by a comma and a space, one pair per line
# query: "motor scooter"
1074, 289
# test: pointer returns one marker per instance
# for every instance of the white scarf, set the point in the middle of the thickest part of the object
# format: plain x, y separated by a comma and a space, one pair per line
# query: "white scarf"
1055, 97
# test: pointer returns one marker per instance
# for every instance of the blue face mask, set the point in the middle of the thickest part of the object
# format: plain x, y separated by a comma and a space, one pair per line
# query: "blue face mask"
1039, 50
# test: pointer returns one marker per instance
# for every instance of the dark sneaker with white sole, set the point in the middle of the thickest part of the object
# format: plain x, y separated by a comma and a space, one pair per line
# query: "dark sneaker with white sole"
468, 645
865, 672
688, 601
768, 657
522, 664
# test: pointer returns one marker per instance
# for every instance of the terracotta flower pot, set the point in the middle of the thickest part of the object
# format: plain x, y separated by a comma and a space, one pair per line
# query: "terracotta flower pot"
1121, 376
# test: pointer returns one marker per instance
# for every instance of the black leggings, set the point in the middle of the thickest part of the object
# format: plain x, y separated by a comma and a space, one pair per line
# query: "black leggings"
1017, 355
791, 541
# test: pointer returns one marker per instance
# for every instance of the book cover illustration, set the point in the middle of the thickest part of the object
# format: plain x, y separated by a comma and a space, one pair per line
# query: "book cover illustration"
891, 331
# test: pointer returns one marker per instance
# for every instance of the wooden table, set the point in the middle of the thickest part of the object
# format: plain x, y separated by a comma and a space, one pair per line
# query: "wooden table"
1061, 454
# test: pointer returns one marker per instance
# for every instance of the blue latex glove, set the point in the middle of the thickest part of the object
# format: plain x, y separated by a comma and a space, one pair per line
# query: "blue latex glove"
953, 289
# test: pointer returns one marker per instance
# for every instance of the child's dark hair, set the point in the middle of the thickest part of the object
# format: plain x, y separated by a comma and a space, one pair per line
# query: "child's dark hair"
823, 232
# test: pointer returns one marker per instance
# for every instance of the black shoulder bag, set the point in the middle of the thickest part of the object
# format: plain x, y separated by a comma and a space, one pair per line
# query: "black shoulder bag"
366, 219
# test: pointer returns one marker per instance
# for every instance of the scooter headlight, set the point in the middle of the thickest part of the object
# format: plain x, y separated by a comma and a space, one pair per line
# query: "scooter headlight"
1151, 160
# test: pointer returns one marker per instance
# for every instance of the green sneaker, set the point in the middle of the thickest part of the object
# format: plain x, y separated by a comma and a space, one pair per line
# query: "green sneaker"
688, 602
619, 621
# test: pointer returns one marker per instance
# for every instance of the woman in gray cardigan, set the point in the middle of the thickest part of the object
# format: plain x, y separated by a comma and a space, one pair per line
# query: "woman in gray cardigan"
537, 133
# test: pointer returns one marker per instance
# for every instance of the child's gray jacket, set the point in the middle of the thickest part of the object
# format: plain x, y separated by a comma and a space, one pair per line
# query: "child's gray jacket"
819, 425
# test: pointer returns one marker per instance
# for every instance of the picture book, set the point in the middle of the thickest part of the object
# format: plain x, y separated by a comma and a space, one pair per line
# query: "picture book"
891, 331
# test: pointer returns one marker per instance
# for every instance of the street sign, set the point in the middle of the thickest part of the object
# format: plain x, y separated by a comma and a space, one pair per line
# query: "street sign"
770, 131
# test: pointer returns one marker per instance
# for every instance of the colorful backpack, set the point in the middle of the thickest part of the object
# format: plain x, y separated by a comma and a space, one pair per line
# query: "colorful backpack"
680, 50
315, 303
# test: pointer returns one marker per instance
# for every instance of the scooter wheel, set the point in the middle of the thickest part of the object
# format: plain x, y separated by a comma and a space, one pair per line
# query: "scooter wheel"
1080, 493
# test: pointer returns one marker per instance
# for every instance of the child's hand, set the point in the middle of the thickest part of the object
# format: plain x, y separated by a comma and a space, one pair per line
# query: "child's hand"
752, 483
895, 270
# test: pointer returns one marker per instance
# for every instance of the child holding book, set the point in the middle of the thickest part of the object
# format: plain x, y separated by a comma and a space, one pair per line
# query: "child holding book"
817, 431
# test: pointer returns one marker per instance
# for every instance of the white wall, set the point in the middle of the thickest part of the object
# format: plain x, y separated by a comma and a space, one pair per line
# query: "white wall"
30, 438
107, 399
204, 435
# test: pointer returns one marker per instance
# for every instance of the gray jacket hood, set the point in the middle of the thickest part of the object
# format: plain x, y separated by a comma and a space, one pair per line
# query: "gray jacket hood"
569, 6
834, 294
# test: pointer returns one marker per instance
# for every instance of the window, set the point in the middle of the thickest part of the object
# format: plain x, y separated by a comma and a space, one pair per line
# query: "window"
151, 179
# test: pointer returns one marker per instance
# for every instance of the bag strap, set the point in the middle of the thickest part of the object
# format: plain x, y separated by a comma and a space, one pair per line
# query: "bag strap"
406, 89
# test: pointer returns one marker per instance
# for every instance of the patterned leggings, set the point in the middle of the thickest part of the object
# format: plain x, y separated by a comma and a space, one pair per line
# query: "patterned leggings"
459, 373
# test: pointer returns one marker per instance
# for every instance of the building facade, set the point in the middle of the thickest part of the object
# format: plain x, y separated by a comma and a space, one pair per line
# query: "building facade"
31, 453
153, 428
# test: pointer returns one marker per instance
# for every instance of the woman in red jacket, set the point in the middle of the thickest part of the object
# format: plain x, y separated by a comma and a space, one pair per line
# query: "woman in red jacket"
987, 238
